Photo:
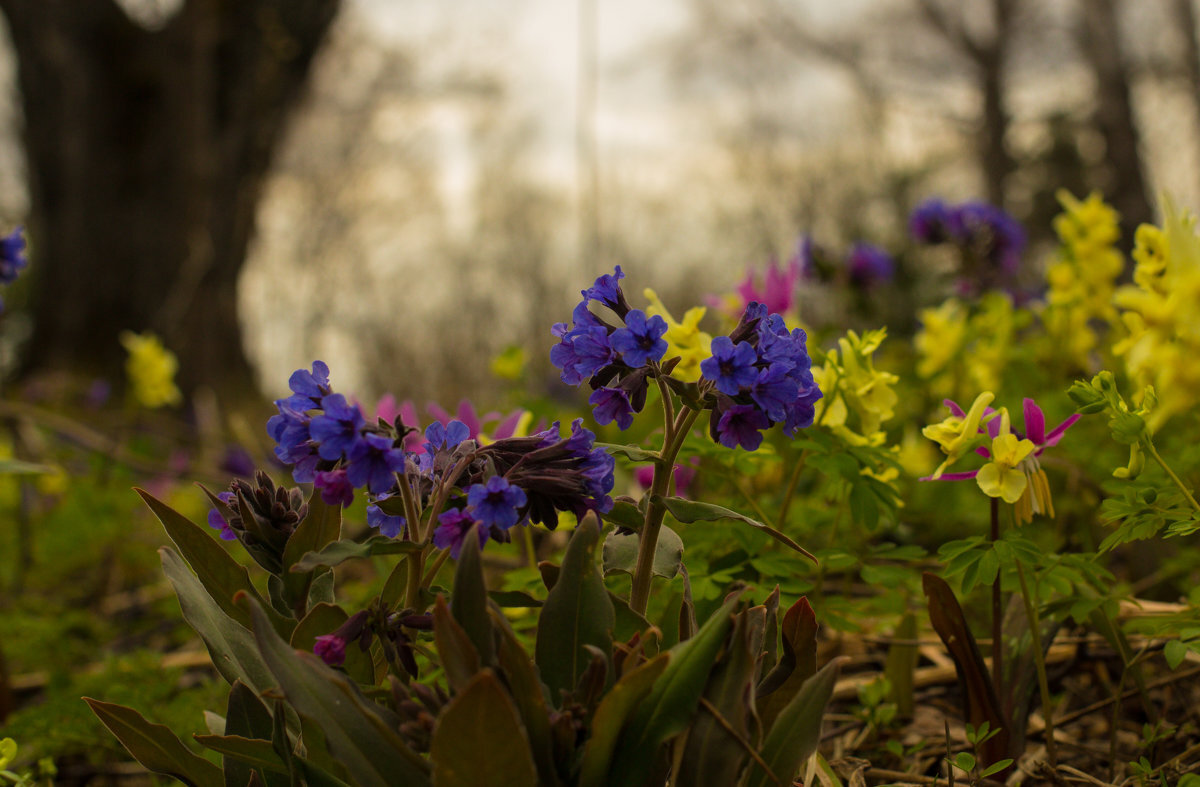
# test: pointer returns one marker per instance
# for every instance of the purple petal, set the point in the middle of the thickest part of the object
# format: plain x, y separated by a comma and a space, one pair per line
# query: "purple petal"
954, 408
1057, 432
1035, 422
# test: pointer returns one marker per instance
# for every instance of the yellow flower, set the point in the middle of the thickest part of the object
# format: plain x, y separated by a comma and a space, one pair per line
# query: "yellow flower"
943, 331
1000, 477
685, 340
956, 435
151, 369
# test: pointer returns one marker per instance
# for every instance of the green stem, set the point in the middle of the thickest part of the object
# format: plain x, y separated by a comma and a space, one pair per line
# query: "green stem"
412, 591
664, 468
1179, 483
438, 562
997, 612
781, 520
1039, 660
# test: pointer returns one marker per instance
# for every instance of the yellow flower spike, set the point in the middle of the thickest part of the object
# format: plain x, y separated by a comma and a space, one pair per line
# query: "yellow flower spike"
955, 435
151, 369
684, 339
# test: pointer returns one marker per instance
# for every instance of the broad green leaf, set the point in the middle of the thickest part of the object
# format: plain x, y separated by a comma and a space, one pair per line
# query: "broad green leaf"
577, 613
155, 746
460, 659
694, 511
796, 732
514, 599
479, 740
231, 646
520, 674
245, 716
625, 514
395, 585
626, 622
255, 752
620, 553
666, 711
611, 715
1174, 652
221, 575
360, 734
337, 552
634, 452
322, 526
469, 601
715, 749
797, 664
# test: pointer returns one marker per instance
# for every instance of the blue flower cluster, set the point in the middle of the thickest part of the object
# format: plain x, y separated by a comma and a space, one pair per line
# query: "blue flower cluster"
535, 478
985, 231
514, 480
762, 375
868, 265
614, 360
12, 257
327, 440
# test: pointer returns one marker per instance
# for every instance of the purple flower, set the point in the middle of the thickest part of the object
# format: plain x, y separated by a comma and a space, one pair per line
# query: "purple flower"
314, 384
731, 366
332, 649
607, 290
12, 258
372, 463
389, 525
773, 391
741, 425
868, 265
335, 487
237, 461
930, 222
336, 431
440, 436
611, 404
641, 340
215, 520
496, 502
453, 527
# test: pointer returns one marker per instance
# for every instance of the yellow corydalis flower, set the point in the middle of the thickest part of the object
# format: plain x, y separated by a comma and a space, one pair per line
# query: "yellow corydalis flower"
1159, 311
684, 339
942, 335
957, 434
1001, 477
151, 369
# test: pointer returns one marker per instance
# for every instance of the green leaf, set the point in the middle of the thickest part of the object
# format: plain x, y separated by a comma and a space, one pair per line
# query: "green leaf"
611, 715
469, 602
996, 767
695, 511
479, 740
322, 526
634, 452
625, 514
1174, 652
460, 659
255, 752
797, 664
964, 761
245, 716
230, 644
797, 730
514, 599
521, 676
577, 613
155, 746
668, 708
715, 749
338, 552
361, 734
620, 553
221, 576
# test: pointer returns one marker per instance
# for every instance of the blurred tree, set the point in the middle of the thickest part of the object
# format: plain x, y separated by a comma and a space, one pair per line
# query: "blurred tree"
1100, 37
146, 150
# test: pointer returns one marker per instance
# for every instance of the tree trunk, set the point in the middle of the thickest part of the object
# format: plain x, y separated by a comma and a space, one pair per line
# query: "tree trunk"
146, 152
1114, 115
